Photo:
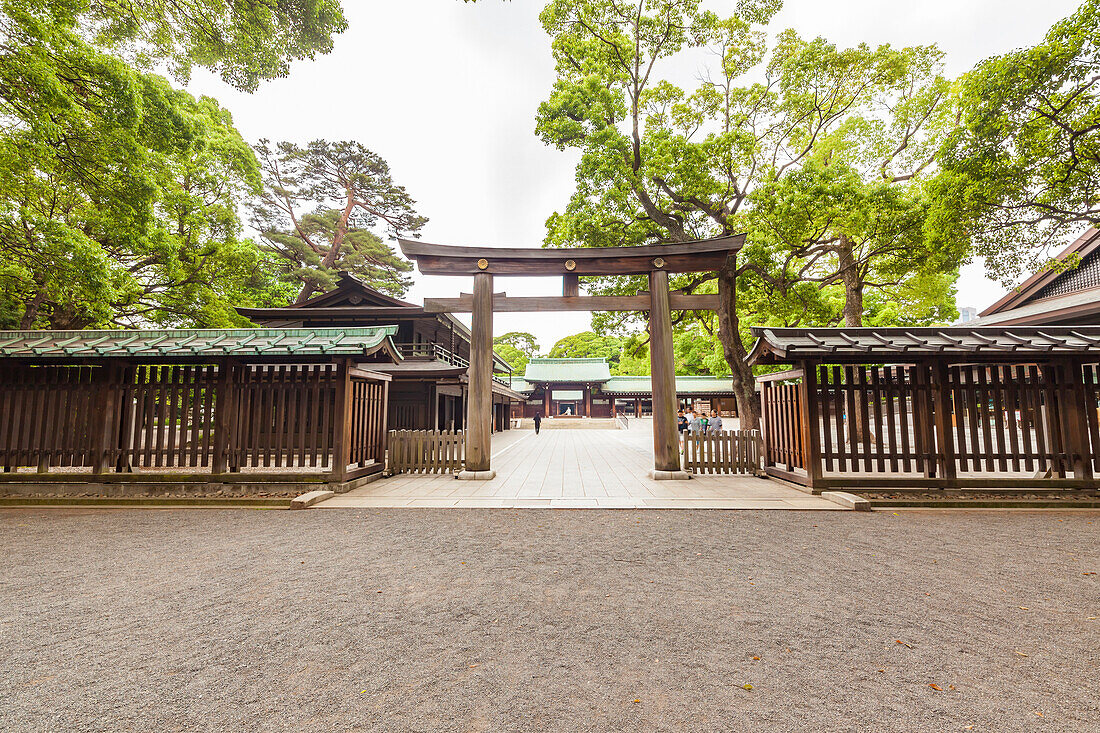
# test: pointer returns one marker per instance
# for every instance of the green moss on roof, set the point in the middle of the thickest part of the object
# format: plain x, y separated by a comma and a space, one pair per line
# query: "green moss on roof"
193, 343
641, 384
684, 385
567, 370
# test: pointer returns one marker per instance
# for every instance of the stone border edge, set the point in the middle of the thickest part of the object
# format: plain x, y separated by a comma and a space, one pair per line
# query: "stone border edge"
310, 498
848, 501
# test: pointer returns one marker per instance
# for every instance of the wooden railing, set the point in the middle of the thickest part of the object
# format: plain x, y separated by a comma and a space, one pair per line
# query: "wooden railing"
726, 451
225, 418
781, 410
624, 422
425, 451
934, 425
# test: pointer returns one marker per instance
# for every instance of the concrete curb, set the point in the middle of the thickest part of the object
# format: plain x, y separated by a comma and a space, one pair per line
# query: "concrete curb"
310, 498
477, 475
851, 501
152, 502
668, 475
984, 504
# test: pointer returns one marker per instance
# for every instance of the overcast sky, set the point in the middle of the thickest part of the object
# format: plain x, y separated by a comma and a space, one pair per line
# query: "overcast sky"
447, 93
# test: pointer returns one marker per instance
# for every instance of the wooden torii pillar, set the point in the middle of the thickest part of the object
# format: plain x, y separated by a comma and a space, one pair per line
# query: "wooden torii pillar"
656, 261
662, 369
479, 416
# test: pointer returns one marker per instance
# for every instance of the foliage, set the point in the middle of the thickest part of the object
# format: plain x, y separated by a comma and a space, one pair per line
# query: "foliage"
244, 42
698, 352
130, 220
589, 345
854, 131
516, 348
317, 210
1022, 171
118, 193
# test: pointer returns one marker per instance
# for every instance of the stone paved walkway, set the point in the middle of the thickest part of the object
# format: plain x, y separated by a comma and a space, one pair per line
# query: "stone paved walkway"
578, 469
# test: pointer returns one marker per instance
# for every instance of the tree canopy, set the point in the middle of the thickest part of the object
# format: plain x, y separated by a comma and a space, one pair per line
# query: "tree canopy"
244, 42
517, 348
317, 209
852, 131
1022, 170
118, 193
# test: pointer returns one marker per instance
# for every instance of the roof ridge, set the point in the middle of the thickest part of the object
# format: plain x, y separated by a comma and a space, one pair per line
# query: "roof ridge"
593, 359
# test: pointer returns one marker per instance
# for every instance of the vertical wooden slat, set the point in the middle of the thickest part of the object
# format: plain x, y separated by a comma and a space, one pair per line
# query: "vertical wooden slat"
825, 389
1011, 404
889, 377
1026, 421
958, 401
876, 412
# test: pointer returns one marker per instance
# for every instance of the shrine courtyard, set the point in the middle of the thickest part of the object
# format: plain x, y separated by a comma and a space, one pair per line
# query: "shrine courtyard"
414, 619
579, 468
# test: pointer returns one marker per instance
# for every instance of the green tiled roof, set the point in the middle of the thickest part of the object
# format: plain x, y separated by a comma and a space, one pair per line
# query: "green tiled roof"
641, 384
567, 370
522, 385
684, 385
194, 343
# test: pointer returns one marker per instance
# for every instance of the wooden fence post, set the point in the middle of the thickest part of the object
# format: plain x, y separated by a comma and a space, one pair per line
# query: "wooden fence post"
225, 416
341, 449
765, 423
811, 436
1077, 434
945, 443
106, 418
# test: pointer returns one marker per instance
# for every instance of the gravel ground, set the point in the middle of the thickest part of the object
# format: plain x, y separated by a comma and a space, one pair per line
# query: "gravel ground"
406, 619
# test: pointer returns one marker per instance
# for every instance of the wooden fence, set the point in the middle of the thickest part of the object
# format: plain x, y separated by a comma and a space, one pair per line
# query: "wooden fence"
781, 406
950, 424
425, 451
727, 451
215, 418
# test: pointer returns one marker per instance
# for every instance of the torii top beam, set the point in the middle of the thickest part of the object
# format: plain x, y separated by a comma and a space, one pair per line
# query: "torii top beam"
703, 255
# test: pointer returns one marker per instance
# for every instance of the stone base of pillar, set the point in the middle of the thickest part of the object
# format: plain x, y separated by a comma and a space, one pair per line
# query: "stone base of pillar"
668, 475
476, 475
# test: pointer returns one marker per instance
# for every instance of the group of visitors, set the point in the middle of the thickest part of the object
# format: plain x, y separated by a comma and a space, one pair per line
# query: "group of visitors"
689, 421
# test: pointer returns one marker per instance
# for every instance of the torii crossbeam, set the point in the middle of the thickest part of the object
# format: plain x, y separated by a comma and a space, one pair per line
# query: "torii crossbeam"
656, 261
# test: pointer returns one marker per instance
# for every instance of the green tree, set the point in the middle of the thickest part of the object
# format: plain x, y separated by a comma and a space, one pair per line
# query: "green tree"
1022, 171
244, 42
589, 345
118, 194
698, 351
664, 163
162, 247
317, 210
517, 348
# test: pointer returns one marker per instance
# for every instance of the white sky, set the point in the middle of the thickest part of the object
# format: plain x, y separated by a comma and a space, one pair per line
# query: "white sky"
447, 92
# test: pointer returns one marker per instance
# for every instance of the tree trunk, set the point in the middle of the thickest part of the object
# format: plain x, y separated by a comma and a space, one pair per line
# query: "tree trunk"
853, 284
853, 318
744, 386
329, 260
303, 294
31, 309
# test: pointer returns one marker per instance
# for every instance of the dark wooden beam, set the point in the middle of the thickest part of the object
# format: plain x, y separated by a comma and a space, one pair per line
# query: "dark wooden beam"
697, 256
531, 304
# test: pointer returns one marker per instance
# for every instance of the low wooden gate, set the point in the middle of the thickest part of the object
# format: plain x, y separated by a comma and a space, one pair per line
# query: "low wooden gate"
425, 451
727, 451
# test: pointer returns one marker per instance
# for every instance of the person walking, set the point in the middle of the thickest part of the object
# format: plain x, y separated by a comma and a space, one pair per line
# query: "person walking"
715, 425
538, 422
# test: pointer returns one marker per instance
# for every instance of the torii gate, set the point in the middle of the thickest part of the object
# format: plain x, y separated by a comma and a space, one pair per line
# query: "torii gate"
657, 261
